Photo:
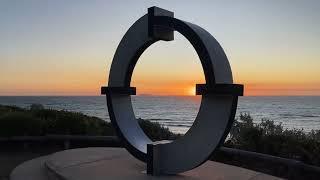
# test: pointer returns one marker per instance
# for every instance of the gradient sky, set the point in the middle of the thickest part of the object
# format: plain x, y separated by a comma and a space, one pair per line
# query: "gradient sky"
66, 47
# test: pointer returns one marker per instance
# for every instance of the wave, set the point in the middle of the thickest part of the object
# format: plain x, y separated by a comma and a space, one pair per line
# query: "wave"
289, 115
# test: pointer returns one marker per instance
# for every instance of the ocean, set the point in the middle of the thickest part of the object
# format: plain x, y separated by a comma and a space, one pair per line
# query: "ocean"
178, 112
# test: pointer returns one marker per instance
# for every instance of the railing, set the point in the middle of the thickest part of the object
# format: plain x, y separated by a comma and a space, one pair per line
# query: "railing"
277, 166
67, 141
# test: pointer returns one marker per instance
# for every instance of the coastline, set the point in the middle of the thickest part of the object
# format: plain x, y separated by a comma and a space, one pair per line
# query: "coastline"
178, 113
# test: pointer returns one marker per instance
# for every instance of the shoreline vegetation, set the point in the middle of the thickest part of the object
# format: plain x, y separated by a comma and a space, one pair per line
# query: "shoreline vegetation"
265, 137
38, 121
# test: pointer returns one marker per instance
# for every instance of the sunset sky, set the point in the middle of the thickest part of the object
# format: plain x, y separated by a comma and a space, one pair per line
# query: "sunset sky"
66, 47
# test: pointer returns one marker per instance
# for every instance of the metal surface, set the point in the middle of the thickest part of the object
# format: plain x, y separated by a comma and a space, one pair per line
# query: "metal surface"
218, 102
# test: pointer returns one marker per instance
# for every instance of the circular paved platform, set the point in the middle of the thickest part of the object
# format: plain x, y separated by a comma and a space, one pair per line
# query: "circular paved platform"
30, 170
117, 163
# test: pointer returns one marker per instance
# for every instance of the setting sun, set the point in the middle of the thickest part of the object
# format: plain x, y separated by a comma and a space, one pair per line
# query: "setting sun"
192, 91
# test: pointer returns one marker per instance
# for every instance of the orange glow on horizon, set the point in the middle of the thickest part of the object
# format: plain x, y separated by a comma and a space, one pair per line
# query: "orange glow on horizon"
93, 89
163, 91
282, 89
156, 76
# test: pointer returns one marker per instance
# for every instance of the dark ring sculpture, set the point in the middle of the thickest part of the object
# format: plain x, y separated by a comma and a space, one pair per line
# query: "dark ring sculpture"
218, 102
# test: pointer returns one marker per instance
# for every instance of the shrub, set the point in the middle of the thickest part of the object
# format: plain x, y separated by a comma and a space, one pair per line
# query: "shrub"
264, 137
270, 138
6, 109
36, 107
20, 124
156, 131
66, 123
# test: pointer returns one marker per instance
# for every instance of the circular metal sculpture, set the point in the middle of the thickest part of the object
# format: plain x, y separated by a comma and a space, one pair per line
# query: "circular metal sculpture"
218, 102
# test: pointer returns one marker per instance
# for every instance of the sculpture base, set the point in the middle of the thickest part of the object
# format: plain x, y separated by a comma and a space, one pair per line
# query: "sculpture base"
115, 164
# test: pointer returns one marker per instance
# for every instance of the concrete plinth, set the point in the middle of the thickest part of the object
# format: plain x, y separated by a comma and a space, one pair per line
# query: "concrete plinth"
117, 163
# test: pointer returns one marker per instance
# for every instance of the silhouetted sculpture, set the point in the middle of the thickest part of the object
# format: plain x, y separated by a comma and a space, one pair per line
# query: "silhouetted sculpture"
218, 103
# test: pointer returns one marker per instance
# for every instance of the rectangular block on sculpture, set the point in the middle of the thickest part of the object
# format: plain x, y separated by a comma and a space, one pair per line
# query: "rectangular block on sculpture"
156, 31
153, 158
119, 90
220, 89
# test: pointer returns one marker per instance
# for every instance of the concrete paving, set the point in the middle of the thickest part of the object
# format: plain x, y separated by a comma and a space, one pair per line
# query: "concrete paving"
118, 164
30, 170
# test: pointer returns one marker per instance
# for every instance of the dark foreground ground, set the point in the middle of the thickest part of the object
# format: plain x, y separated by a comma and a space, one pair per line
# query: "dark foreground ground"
19, 149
